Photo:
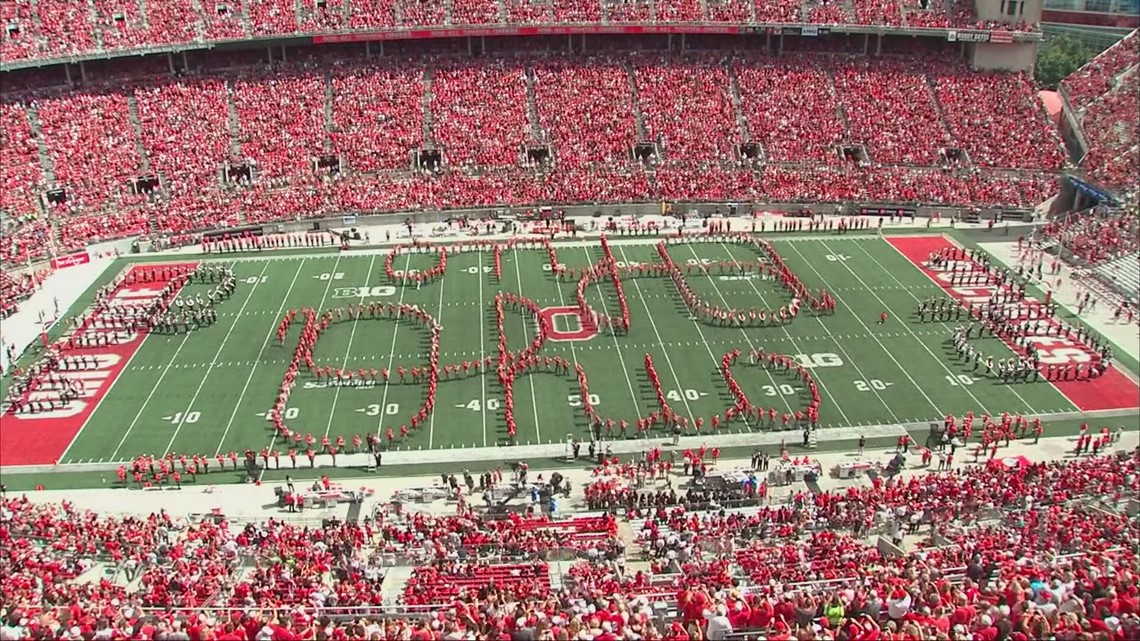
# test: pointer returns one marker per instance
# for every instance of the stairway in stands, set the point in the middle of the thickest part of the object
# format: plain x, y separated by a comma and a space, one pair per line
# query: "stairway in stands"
200, 23
93, 19
47, 165
938, 106
642, 129
235, 130
427, 126
839, 109
136, 133
330, 124
1123, 273
737, 102
532, 106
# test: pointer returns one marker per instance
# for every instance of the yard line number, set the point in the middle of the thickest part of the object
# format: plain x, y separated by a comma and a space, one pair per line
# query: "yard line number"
390, 409
187, 417
959, 380
872, 385
290, 413
778, 390
474, 405
576, 401
688, 395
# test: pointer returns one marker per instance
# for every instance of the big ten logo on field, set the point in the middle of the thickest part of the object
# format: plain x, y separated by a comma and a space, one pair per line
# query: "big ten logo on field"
567, 324
378, 291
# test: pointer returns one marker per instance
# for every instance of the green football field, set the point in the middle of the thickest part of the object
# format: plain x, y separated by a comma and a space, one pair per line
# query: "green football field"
208, 391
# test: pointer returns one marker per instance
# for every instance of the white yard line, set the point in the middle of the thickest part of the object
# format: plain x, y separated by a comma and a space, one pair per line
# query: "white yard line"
700, 332
795, 346
153, 391
213, 362
562, 303
905, 325
392, 354
617, 346
253, 367
886, 351
530, 381
318, 308
347, 353
847, 357
482, 346
157, 385
107, 394
696, 323
438, 316
664, 350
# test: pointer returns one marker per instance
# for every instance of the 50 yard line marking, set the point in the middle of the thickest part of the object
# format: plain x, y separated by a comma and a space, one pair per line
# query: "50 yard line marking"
664, 350
157, 383
482, 356
348, 352
214, 361
253, 368
617, 346
439, 315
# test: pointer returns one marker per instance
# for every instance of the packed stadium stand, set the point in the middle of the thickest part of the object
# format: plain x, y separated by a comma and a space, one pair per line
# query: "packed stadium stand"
56, 28
171, 146
1016, 550
1104, 95
168, 155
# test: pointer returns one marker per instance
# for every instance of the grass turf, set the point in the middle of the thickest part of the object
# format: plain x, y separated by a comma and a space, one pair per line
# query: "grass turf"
207, 391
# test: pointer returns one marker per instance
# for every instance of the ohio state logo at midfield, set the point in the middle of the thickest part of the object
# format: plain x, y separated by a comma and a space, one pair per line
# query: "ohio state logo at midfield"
567, 324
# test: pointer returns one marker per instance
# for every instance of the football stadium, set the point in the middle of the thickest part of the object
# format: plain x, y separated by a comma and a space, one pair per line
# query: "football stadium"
486, 319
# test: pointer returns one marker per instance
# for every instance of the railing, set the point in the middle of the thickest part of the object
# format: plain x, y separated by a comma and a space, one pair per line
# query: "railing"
300, 38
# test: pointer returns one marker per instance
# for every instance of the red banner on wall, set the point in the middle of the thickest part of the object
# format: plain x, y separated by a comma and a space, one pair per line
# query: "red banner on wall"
71, 260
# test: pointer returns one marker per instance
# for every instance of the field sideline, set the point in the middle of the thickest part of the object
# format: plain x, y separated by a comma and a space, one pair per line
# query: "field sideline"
208, 391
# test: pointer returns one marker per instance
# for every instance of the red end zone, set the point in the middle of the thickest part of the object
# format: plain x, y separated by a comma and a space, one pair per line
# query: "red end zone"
42, 438
1111, 390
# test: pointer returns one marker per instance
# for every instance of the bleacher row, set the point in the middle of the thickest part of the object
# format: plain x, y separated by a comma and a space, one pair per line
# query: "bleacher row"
54, 28
997, 529
1106, 96
588, 112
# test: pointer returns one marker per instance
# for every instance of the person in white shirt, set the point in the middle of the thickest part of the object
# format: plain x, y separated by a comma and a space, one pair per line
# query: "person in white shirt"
718, 624
12, 630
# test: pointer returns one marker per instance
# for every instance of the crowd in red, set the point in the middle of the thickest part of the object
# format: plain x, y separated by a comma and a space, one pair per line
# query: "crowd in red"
57, 27
1104, 94
1017, 550
590, 111
1096, 238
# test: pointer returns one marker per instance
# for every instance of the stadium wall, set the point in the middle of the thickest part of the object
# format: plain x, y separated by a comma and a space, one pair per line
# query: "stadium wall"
1019, 56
